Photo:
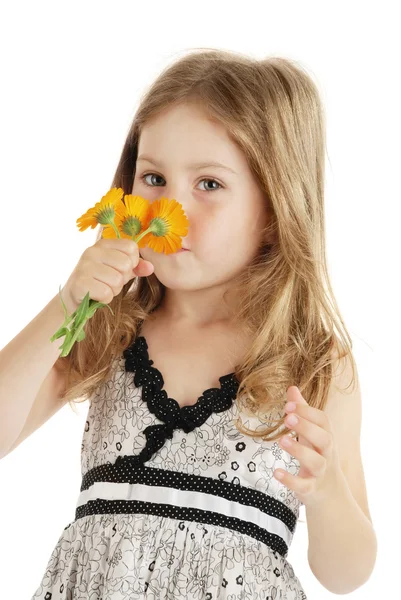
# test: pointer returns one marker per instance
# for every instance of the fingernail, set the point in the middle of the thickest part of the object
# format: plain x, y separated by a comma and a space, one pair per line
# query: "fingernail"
292, 420
290, 406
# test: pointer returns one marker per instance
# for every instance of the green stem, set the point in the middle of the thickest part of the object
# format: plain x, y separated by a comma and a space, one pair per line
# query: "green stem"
67, 347
140, 236
114, 226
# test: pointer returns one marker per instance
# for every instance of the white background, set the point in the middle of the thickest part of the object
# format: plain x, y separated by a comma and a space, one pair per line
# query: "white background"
72, 74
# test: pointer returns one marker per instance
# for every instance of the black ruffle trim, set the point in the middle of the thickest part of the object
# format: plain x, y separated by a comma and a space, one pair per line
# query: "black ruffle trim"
167, 409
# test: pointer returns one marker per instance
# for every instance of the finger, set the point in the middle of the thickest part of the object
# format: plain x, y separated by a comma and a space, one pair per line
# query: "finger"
294, 395
300, 485
144, 268
309, 412
308, 458
314, 434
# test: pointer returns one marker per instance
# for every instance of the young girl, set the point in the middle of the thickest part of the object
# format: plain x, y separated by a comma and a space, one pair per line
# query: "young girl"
188, 379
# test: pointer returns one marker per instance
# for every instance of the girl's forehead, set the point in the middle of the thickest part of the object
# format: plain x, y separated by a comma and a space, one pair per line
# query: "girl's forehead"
183, 123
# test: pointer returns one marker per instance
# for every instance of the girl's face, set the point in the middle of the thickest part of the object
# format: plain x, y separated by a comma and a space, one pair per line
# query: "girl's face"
225, 207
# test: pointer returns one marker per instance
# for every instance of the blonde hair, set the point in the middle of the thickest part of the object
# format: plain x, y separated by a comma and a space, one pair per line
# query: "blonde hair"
272, 110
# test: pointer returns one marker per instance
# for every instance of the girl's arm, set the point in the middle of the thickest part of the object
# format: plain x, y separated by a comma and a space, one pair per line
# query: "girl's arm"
30, 384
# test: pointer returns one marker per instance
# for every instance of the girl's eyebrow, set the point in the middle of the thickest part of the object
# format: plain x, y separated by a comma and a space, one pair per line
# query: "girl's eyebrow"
203, 165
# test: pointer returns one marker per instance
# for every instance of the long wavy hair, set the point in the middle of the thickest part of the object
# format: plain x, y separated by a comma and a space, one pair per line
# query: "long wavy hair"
272, 110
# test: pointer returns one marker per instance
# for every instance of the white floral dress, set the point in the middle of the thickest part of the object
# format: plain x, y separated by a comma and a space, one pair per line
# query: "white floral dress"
174, 502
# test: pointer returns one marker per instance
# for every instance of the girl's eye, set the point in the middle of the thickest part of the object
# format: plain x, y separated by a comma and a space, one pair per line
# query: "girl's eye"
143, 177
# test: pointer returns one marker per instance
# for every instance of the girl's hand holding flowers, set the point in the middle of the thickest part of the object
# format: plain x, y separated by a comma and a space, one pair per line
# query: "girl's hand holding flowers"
315, 450
103, 269
114, 260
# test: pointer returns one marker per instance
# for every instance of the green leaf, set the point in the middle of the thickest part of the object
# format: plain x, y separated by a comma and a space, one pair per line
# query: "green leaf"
62, 302
109, 309
59, 333
95, 306
82, 311
81, 336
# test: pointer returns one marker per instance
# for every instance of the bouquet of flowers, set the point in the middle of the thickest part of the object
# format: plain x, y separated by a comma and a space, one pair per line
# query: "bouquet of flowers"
158, 225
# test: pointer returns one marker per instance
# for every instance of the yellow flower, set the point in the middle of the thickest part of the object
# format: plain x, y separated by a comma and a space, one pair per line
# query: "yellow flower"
130, 217
103, 212
163, 224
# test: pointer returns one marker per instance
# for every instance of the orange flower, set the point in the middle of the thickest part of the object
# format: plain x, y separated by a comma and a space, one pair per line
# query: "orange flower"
163, 223
103, 212
130, 218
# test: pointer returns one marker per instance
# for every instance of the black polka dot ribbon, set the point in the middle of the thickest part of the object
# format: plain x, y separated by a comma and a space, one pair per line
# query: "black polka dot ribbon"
167, 409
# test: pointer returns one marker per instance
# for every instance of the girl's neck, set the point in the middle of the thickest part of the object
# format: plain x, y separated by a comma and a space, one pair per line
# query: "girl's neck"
182, 322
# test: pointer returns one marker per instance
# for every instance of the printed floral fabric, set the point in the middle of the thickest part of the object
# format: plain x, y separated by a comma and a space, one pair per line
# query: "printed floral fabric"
149, 554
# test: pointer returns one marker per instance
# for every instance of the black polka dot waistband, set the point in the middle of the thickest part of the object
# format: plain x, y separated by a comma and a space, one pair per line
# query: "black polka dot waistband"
120, 488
